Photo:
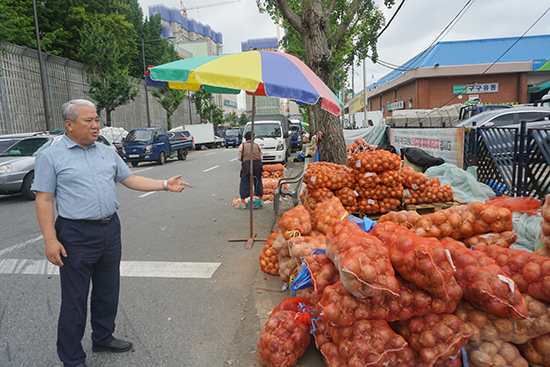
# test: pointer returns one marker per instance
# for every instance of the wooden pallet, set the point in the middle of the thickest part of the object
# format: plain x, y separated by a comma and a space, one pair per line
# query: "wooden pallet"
433, 207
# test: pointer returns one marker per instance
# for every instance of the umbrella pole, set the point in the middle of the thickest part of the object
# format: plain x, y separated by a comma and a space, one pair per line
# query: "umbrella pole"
252, 236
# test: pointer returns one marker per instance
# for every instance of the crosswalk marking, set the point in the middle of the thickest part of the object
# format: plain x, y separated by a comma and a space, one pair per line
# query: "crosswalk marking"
144, 269
210, 169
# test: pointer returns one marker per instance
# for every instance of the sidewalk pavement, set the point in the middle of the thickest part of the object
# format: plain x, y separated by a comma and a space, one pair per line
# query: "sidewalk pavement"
270, 290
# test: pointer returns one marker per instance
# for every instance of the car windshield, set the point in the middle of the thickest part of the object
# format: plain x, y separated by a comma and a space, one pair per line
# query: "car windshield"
139, 136
294, 129
269, 130
233, 132
27, 147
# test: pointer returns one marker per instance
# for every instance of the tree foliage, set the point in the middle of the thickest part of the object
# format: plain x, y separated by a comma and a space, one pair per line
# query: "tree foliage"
203, 103
333, 33
110, 86
170, 100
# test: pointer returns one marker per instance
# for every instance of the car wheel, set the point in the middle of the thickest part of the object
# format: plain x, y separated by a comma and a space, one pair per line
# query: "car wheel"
26, 188
203, 147
135, 164
162, 158
182, 155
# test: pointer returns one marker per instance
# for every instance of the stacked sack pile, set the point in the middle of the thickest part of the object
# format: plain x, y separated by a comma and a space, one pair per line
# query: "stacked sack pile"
411, 293
419, 189
270, 179
379, 185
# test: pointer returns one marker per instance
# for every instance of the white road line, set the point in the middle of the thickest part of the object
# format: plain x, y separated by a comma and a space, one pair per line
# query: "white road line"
234, 159
142, 269
210, 169
146, 194
14, 247
210, 153
144, 169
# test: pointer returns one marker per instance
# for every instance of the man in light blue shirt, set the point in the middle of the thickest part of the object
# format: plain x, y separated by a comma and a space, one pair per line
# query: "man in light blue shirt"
78, 176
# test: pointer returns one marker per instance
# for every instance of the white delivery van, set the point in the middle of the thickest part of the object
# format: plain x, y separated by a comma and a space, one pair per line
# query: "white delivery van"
272, 135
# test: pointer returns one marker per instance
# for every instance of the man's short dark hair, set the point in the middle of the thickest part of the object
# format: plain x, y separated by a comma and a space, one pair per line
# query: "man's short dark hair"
248, 135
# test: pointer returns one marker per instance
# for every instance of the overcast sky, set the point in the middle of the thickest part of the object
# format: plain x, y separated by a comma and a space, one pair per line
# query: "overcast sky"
416, 26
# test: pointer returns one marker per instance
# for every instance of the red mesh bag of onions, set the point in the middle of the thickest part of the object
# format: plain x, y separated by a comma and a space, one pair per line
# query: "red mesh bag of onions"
408, 357
322, 270
485, 284
362, 260
422, 261
435, 337
285, 336
295, 222
531, 272
327, 212
366, 343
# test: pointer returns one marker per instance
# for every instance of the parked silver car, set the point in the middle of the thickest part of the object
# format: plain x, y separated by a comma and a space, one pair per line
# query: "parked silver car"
17, 164
507, 117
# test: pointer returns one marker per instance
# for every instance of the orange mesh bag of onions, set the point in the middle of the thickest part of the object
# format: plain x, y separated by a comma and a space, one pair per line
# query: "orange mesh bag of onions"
491, 327
408, 357
388, 204
360, 145
273, 167
520, 204
322, 270
496, 353
537, 350
342, 309
545, 223
435, 337
321, 194
430, 194
367, 179
380, 192
368, 206
329, 175
302, 246
412, 179
286, 262
362, 260
295, 222
504, 239
390, 178
366, 343
422, 261
284, 338
268, 258
348, 197
327, 212
375, 161
485, 285
531, 272
403, 218
463, 221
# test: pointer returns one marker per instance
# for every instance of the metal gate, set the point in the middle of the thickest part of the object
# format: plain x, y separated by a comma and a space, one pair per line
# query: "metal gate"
512, 161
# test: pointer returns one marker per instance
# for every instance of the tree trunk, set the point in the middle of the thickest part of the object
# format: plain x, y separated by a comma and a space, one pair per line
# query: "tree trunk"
108, 117
332, 146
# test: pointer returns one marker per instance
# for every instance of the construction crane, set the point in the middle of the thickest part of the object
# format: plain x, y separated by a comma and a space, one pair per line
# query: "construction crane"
184, 9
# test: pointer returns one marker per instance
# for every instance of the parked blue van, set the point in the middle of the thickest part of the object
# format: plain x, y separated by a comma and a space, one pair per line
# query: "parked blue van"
233, 137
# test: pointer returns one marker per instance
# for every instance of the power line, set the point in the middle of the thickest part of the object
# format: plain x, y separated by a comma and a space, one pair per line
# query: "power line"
391, 19
504, 53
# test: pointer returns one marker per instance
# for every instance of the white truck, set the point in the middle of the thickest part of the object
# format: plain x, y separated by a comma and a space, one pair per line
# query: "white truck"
203, 135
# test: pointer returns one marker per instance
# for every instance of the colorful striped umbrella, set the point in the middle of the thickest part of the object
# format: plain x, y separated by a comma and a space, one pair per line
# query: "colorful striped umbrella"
263, 73
260, 73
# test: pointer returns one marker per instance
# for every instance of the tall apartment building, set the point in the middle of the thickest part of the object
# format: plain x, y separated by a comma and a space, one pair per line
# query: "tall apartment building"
194, 39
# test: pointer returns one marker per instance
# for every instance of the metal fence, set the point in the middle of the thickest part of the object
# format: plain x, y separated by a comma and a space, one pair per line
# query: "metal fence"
22, 102
513, 161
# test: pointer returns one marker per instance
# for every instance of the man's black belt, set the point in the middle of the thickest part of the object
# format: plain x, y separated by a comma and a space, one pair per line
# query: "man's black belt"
94, 221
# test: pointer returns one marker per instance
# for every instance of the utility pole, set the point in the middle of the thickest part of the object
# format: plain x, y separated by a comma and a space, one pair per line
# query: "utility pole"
46, 113
365, 92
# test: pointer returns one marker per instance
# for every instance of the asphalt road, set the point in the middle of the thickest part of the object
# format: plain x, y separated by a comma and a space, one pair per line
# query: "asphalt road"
189, 297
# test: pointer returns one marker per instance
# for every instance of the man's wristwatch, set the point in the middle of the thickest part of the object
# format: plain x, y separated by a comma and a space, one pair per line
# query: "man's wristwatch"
165, 185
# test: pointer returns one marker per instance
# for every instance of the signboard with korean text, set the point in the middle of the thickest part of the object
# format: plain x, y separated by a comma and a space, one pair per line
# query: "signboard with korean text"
395, 106
446, 143
357, 103
475, 88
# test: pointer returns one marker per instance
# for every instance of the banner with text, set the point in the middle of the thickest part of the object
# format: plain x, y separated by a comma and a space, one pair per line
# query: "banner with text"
357, 103
447, 143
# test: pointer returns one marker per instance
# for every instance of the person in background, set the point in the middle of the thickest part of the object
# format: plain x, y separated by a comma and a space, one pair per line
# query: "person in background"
244, 156
77, 177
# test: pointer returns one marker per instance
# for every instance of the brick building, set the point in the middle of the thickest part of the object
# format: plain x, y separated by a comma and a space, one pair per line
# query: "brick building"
498, 70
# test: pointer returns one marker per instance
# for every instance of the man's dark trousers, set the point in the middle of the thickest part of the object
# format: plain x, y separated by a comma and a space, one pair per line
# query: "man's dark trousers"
93, 252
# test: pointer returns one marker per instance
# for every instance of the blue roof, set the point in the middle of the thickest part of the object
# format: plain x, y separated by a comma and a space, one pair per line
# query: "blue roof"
481, 51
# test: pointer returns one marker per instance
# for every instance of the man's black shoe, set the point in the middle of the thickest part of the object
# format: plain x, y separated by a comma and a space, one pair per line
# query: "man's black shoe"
117, 346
